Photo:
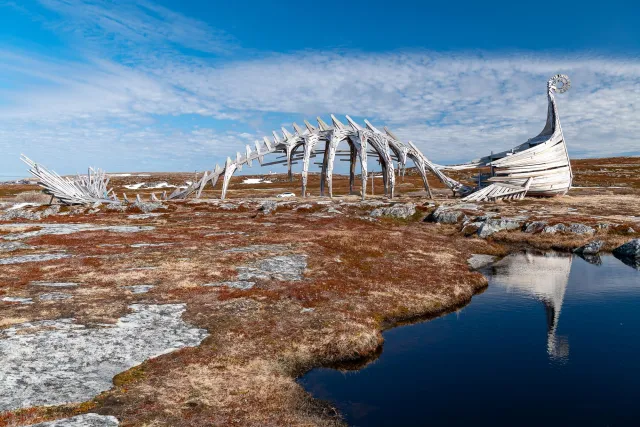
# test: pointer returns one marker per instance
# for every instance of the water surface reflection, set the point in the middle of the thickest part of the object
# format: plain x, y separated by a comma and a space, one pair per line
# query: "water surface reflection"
504, 359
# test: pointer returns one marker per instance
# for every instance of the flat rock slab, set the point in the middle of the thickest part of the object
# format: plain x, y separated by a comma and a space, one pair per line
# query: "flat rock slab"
139, 289
13, 246
84, 420
59, 229
56, 362
55, 284
240, 284
55, 296
478, 260
18, 300
33, 258
260, 248
283, 268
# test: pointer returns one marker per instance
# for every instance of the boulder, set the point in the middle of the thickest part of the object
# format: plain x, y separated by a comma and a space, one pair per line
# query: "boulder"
268, 206
444, 215
591, 248
471, 228
478, 260
629, 253
535, 226
491, 226
553, 229
578, 228
396, 211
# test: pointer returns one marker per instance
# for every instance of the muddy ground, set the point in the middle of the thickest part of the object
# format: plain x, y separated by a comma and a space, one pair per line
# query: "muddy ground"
313, 282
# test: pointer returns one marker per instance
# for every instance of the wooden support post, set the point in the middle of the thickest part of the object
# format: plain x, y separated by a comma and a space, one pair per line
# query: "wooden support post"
323, 173
352, 167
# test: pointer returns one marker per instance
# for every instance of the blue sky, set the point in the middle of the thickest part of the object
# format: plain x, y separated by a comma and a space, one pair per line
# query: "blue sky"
179, 85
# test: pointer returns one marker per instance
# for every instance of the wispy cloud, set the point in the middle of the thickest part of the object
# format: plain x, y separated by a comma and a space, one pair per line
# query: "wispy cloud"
455, 107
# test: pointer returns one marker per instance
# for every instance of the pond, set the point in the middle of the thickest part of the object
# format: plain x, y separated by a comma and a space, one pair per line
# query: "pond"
553, 341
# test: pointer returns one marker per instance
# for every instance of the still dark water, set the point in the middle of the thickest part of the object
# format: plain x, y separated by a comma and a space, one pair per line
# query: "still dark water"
554, 341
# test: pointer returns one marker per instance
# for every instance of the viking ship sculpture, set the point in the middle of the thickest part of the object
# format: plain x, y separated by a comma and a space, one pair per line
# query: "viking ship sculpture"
539, 167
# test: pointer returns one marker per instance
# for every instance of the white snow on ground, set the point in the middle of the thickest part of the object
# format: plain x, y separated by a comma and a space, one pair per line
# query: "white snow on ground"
255, 181
134, 186
144, 186
53, 362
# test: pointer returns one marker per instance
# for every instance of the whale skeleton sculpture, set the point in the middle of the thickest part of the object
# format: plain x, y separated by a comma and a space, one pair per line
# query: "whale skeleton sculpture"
539, 166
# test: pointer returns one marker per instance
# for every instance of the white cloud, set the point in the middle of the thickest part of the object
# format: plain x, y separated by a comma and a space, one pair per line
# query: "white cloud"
455, 107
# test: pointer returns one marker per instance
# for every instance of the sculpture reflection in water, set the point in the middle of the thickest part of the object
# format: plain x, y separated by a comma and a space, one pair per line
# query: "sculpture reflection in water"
545, 277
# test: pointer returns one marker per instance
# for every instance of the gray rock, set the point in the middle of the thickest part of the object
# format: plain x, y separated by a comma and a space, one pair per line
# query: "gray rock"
55, 296
18, 300
118, 207
444, 215
466, 206
478, 261
21, 214
240, 284
84, 420
60, 229
491, 226
630, 230
55, 284
284, 268
396, 211
630, 251
591, 248
553, 229
147, 207
268, 206
260, 248
33, 258
51, 210
13, 246
603, 226
139, 289
535, 227
578, 228
56, 362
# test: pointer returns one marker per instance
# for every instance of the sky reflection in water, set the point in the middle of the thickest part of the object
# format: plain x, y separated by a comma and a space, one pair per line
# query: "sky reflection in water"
555, 340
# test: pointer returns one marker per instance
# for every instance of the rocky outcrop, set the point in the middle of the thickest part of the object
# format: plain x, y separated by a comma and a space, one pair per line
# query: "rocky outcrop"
577, 228
54, 362
396, 211
146, 207
445, 215
629, 253
268, 207
591, 248
478, 260
282, 268
535, 227
491, 226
